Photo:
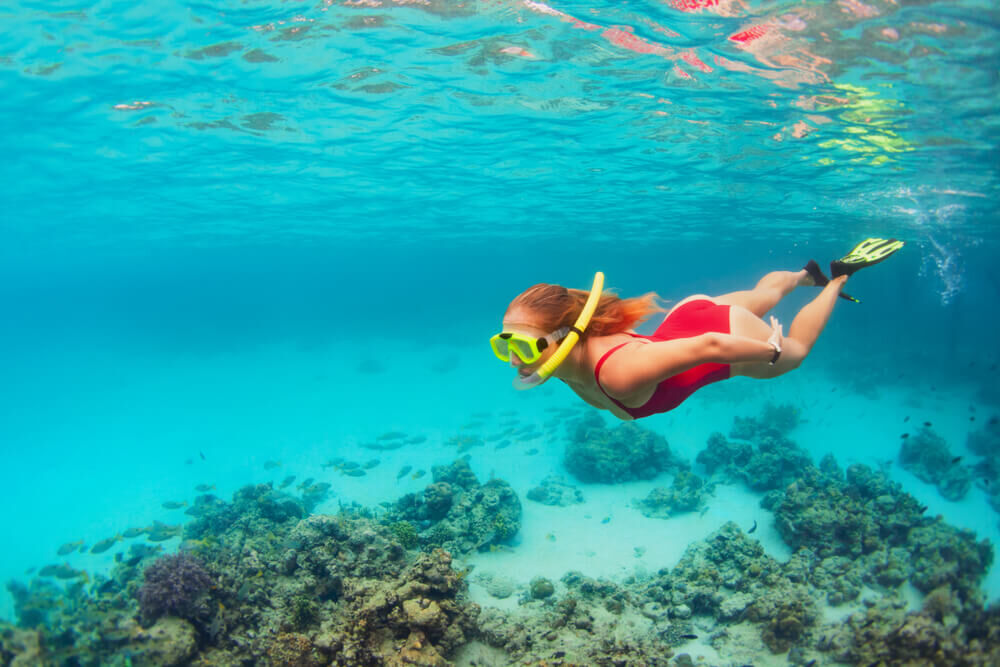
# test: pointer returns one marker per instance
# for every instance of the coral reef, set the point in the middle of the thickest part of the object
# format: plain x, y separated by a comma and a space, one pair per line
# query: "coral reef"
760, 454
686, 494
555, 491
627, 452
458, 513
927, 456
259, 582
175, 585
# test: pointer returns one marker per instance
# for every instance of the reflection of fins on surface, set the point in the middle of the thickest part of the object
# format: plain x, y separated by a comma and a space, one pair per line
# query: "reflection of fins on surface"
820, 280
866, 253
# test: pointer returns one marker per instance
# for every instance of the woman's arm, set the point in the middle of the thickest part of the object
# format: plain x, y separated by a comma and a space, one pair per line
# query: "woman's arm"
637, 368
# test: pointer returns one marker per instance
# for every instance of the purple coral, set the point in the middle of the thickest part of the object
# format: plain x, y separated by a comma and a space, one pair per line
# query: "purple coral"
173, 585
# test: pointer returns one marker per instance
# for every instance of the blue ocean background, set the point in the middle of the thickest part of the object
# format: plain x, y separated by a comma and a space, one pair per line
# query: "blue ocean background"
235, 233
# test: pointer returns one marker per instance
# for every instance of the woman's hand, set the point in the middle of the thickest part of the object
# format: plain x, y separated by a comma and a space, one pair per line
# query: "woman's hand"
775, 338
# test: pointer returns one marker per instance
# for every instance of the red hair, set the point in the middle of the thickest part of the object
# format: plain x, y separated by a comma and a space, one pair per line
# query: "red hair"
554, 306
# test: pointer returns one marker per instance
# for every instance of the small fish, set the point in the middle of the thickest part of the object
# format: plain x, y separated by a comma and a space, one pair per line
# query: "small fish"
928, 424
906, 419
371, 464
753, 528
905, 436
285, 483
63, 571
306, 483
606, 519
972, 418
956, 460
702, 513
204, 488
105, 544
174, 505
689, 636
993, 420
403, 472
551, 537
271, 465
30, 570
418, 474
349, 465
391, 435
157, 536
354, 472
922, 509
202, 455
188, 461
135, 532
416, 439
502, 444
69, 547
531, 452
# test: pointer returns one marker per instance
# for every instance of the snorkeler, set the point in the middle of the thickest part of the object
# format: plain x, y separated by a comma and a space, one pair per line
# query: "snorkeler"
702, 340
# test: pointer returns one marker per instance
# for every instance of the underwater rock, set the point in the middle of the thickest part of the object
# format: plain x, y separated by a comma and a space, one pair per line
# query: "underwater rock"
625, 453
555, 491
927, 456
458, 514
686, 494
421, 605
259, 504
457, 474
775, 421
170, 641
498, 586
937, 635
438, 498
985, 441
541, 588
872, 523
786, 613
769, 462
20, 647
293, 649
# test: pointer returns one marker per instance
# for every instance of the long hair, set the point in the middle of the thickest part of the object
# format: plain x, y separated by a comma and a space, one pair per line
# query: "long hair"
554, 306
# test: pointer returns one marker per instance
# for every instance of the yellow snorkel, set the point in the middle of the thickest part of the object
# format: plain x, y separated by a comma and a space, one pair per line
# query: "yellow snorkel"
567, 343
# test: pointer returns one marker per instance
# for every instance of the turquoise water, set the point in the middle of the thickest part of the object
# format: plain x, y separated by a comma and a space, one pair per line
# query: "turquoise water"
236, 233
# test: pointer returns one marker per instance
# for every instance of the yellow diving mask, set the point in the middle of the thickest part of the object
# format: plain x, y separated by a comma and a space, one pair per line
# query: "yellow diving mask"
526, 348
529, 348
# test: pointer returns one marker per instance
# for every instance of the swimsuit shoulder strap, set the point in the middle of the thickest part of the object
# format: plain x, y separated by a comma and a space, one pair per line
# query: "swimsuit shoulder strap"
600, 362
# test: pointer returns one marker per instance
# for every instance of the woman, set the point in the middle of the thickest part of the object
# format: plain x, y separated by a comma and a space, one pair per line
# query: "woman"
702, 340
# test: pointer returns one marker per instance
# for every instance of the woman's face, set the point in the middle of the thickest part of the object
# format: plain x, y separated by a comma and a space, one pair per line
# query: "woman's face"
521, 322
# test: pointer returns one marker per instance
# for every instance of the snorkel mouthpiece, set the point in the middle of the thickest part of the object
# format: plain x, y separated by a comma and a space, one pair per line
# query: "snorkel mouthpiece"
566, 346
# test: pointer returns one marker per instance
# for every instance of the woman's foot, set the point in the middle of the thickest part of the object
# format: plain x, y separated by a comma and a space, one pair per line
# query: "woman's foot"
813, 275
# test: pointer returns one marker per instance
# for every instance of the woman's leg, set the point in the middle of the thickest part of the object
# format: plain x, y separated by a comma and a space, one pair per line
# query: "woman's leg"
802, 335
771, 289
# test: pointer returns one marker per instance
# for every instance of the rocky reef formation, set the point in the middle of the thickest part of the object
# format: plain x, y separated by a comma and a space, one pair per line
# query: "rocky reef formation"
687, 493
555, 491
260, 581
926, 455
985, 443
323, 590
880, 533
758, 453
457, 513
595, 453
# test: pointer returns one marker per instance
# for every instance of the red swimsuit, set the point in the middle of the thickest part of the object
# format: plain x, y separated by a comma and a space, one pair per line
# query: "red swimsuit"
692, 319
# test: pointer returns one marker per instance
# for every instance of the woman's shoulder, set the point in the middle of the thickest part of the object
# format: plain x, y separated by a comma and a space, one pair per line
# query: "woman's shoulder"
599, 346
